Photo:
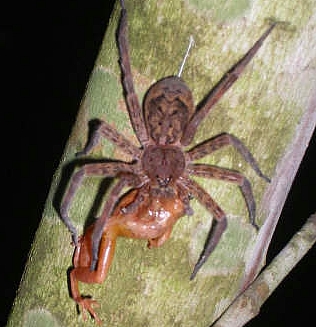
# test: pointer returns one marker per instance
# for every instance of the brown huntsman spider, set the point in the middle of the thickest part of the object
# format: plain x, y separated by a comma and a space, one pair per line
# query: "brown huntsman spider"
160, 169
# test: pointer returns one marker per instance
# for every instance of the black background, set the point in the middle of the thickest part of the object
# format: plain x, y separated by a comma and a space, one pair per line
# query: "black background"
49, 51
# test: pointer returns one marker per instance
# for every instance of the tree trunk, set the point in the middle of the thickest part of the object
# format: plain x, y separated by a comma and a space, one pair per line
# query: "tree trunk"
271, 108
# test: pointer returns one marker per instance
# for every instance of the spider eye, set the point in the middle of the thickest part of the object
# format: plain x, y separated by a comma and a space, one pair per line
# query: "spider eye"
163, 181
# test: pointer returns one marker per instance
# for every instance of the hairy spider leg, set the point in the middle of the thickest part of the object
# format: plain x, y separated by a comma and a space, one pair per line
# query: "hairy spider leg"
133, 105
125, 181
110, 169
234, 177
110, 133
222, 86
207, 147
217, 229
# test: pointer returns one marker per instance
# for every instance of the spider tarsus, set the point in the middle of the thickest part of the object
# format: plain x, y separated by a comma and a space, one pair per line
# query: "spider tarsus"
88, 148
266, 178
85, 151
93, 264
212, 240
258, 171
252, 215
80, 153
93, 139
96, 238
255, 226
70, 226
204, 256
197, 267
74, 238
260, 174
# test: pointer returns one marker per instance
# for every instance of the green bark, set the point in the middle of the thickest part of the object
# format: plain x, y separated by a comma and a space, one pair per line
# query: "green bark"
264, 109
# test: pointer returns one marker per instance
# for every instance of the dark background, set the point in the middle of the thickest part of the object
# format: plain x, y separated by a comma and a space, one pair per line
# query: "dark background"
49, 51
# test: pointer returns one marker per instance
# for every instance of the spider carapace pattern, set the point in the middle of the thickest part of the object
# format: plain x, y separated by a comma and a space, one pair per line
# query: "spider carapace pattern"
158, 174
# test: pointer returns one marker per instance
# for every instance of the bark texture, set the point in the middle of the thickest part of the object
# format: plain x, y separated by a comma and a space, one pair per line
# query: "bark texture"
271, 108
248, 304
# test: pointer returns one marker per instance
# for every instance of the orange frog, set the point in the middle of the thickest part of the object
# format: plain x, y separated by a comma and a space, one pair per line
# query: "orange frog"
152, 219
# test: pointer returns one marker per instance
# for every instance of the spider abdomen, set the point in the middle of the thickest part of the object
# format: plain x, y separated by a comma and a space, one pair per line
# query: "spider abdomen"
168, 107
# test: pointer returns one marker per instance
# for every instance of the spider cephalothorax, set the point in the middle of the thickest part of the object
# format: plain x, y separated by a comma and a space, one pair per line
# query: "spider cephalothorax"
158, 174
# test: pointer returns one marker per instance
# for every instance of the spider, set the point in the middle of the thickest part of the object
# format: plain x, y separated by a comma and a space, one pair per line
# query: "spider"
158, 174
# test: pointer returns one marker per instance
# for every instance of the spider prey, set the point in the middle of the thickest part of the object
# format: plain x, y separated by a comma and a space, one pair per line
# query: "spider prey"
158, 174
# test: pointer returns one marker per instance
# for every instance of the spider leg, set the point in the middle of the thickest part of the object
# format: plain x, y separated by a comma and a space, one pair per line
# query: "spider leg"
127, 180
110, 169
228, 175
222, 86
217, 229
133, 106
219, 141
106, 130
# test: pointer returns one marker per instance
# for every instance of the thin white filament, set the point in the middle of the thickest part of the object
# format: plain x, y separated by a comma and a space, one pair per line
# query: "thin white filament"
191, 43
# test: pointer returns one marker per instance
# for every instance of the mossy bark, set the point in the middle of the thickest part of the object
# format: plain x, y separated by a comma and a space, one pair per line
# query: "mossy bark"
265, 108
